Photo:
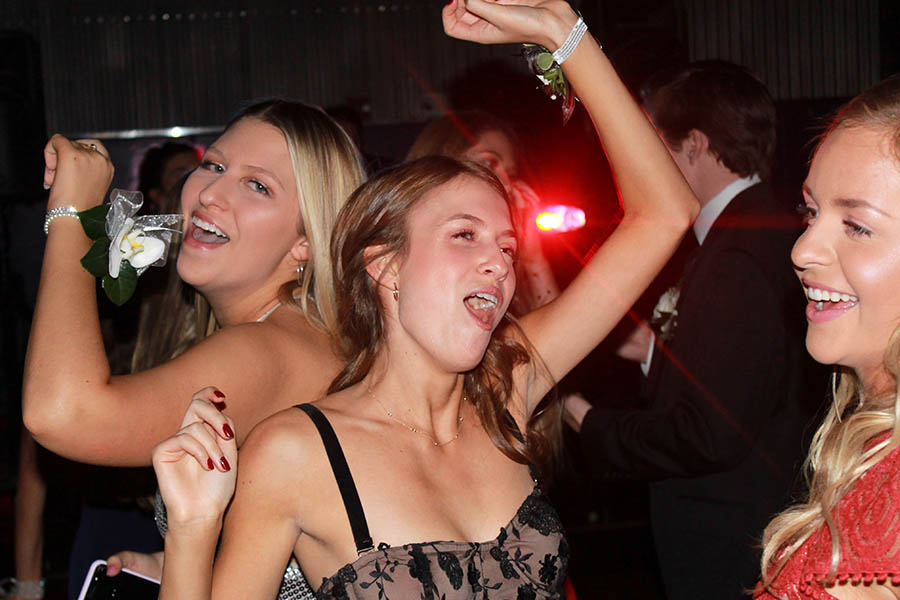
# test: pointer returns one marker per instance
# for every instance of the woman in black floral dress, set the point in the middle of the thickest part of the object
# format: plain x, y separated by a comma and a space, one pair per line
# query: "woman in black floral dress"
435, 428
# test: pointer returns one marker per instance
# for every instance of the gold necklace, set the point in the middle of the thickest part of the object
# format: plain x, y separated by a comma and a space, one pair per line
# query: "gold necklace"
416, 429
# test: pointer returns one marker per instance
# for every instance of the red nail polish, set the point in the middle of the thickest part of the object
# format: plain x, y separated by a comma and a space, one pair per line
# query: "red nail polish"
209, 463
218, 394
220, 406
226, 429
224, 462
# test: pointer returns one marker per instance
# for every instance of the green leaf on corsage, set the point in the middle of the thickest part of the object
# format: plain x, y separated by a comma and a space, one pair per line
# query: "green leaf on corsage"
93, 221
96, 261
121, 288
544, 66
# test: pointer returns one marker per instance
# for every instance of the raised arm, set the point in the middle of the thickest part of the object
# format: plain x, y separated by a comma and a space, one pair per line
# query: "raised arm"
658, 204
71, 404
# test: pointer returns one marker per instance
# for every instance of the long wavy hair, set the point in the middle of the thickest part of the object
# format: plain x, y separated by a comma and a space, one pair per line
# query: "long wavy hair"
847, 443
327, 168
377, 216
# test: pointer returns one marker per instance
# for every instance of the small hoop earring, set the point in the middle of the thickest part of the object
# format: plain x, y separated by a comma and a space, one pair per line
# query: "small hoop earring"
301, 267
395, 293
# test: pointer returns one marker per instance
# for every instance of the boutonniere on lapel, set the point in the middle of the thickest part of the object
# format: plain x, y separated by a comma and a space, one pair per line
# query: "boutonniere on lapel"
665, 317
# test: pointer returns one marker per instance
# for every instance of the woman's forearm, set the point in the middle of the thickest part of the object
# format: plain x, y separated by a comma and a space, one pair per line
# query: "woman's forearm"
66, 362
649, 182
188, 564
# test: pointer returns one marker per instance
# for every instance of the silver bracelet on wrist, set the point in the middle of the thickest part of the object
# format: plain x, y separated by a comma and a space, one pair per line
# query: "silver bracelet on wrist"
31, 590
55, 213
568, 47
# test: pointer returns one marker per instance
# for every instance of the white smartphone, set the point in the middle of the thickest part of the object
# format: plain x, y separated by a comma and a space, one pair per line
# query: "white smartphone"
127, 585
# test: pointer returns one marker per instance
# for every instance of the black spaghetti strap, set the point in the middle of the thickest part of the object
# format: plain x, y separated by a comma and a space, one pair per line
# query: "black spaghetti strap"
344, 479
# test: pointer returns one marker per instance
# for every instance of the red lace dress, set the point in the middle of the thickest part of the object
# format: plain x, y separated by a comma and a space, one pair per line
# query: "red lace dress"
868, 519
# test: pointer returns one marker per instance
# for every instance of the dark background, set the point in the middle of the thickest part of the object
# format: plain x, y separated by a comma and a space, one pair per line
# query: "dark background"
127, 71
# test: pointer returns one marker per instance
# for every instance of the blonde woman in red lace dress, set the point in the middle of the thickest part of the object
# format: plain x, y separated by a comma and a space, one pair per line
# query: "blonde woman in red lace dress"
844, 541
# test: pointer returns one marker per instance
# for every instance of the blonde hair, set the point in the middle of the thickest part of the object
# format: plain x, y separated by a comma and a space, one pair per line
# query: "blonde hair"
327, 169
842, 449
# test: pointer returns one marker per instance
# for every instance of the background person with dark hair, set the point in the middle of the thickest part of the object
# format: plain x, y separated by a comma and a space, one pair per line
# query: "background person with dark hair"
161, 169
721, 438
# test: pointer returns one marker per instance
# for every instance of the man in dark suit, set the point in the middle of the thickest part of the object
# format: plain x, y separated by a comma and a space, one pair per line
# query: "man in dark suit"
721, 438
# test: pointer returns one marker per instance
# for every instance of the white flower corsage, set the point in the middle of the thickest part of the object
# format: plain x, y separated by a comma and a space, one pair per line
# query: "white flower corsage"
665, 316
125, 245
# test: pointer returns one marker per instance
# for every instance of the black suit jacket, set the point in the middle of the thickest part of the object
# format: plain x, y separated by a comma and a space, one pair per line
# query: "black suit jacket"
729, 404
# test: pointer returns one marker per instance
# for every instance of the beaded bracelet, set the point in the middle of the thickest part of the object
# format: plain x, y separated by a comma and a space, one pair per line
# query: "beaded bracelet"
55, 213
568, 47
28, 590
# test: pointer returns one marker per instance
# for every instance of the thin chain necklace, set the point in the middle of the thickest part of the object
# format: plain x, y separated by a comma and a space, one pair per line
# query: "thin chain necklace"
416, 429
266, 314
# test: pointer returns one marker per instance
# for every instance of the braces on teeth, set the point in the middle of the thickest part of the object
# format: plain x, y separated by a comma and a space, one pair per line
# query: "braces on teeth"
820, 297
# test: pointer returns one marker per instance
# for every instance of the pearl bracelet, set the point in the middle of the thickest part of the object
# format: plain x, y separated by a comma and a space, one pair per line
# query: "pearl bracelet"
55, 213
568, 47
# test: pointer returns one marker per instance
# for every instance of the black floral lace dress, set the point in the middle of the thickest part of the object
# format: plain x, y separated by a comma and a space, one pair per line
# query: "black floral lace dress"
527, 560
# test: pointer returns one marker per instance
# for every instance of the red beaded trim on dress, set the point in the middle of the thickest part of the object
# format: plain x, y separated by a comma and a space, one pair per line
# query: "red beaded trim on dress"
868, 518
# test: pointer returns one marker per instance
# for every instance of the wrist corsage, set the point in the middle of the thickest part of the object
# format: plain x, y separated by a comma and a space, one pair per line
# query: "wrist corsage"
547, 66
540, 61
124, 245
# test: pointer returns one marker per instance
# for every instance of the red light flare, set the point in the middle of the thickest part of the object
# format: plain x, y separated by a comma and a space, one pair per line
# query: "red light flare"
560, 217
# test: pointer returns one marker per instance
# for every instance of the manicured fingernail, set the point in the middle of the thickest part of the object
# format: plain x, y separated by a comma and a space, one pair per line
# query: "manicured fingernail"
220, 406
46, 186
226, 429
209, 463
218, 394
224, 462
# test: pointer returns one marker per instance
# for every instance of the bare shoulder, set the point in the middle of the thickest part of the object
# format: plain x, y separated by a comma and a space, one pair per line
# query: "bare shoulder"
283, 462
288, 432
288, 339
290, 330
264, 366
288, 439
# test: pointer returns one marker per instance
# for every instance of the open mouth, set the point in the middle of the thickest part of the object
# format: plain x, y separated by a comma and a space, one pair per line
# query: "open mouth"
827, 300
483, 306
207, 233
